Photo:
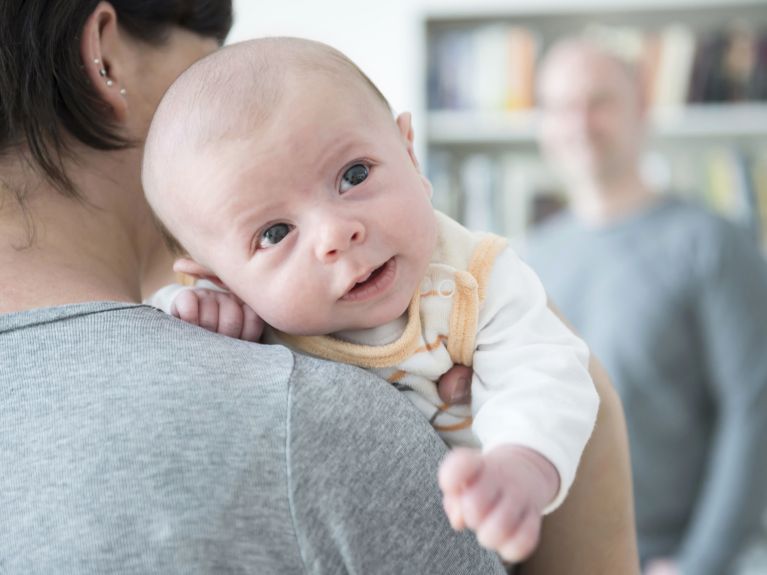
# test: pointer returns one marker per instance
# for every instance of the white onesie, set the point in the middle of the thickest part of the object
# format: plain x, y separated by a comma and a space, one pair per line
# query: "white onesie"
477, 305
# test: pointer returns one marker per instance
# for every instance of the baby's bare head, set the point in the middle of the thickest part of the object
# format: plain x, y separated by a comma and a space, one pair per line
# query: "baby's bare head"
229, 96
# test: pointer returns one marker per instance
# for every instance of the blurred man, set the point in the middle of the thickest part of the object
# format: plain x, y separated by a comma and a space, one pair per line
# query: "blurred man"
674, 300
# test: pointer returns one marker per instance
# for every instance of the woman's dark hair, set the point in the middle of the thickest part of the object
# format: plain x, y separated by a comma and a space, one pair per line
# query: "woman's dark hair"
44, 91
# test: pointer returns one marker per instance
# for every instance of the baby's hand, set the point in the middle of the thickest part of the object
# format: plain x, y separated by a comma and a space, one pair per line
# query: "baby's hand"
218, 311
500, 495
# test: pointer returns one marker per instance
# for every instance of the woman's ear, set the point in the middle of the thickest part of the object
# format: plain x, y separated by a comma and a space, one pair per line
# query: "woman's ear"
405, 125
198, 271
101, 51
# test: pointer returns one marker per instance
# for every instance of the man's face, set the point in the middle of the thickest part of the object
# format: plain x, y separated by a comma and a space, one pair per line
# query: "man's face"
320, 220
592, 121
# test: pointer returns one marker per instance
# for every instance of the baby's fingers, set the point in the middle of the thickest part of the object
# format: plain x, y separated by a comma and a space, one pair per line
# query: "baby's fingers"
522, 542
502, 523
459, 469
480, 498
452, 506
252, 325
186, 306
208, 310
230, 315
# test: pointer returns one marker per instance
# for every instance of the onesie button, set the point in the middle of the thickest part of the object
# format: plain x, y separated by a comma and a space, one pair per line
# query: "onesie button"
446, 288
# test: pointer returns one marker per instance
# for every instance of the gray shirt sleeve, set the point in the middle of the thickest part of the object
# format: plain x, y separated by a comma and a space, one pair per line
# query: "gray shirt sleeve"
363, 480
732, 316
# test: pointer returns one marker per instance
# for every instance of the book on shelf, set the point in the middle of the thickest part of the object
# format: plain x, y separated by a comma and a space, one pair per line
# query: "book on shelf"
450, 67
731, 66
446, 194
480, 184
530, 194
522, 46
489, 55
677, 50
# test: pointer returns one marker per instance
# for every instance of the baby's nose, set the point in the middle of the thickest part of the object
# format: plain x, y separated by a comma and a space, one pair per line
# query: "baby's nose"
337, 236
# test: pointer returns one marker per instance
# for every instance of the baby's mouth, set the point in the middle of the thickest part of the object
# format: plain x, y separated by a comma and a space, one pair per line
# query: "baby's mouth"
376, 281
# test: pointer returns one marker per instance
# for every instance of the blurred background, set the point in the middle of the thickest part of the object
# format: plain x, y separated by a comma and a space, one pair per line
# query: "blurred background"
467, 69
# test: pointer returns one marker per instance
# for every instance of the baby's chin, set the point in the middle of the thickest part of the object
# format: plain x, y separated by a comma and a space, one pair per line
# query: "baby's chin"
371, 321
358, 321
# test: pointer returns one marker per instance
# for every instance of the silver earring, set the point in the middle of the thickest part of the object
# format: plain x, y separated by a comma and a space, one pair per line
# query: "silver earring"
103, 73
109, 83
123, 92
96, 61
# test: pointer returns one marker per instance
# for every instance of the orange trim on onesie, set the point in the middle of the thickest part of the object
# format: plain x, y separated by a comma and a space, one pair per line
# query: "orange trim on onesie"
433, 345
389, 355
463, 319
482, 261
455, 426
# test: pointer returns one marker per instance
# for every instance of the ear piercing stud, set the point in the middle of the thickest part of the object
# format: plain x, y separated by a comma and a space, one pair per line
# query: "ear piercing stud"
109, 81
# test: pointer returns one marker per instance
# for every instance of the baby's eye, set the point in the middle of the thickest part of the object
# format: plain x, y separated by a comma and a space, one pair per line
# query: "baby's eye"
354, 176
273, 235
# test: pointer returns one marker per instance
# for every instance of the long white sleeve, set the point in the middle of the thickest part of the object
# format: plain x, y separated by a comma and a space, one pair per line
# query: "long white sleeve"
531, 383
163, 298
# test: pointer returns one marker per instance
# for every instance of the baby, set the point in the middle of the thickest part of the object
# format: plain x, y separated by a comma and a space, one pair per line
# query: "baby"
279, 167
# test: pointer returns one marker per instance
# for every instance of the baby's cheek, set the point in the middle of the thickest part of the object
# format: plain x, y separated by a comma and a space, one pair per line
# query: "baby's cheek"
259, 300
294, 313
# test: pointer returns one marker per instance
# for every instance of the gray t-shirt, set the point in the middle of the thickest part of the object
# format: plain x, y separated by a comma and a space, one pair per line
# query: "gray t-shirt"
135, 443
673, 300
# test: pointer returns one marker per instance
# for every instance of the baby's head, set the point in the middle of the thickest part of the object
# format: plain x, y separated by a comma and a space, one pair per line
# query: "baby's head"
279, 167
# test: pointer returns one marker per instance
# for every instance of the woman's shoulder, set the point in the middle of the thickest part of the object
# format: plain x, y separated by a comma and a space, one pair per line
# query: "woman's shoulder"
127, 340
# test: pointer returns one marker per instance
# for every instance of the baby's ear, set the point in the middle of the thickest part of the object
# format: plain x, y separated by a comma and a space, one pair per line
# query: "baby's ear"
405, 125
198, 271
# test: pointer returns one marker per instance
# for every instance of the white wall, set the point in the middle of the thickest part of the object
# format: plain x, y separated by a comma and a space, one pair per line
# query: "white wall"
382, 38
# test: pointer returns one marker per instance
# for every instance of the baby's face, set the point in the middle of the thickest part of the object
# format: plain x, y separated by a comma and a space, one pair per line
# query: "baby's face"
321, 221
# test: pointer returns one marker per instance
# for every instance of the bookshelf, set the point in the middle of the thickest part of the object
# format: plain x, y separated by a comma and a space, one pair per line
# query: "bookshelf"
708, 121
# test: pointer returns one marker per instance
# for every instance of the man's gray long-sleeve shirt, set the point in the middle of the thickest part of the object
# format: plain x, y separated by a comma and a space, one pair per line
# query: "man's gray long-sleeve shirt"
134, 443
673, 300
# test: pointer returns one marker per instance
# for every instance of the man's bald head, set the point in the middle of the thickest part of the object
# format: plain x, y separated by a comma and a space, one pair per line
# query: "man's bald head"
229, 95
592, 127
572, 55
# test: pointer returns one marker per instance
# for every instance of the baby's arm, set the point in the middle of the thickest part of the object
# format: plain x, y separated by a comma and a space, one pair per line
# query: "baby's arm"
534, 407
210, 307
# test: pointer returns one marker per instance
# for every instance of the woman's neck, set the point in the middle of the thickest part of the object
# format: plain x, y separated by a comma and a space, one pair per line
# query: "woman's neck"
77, 251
